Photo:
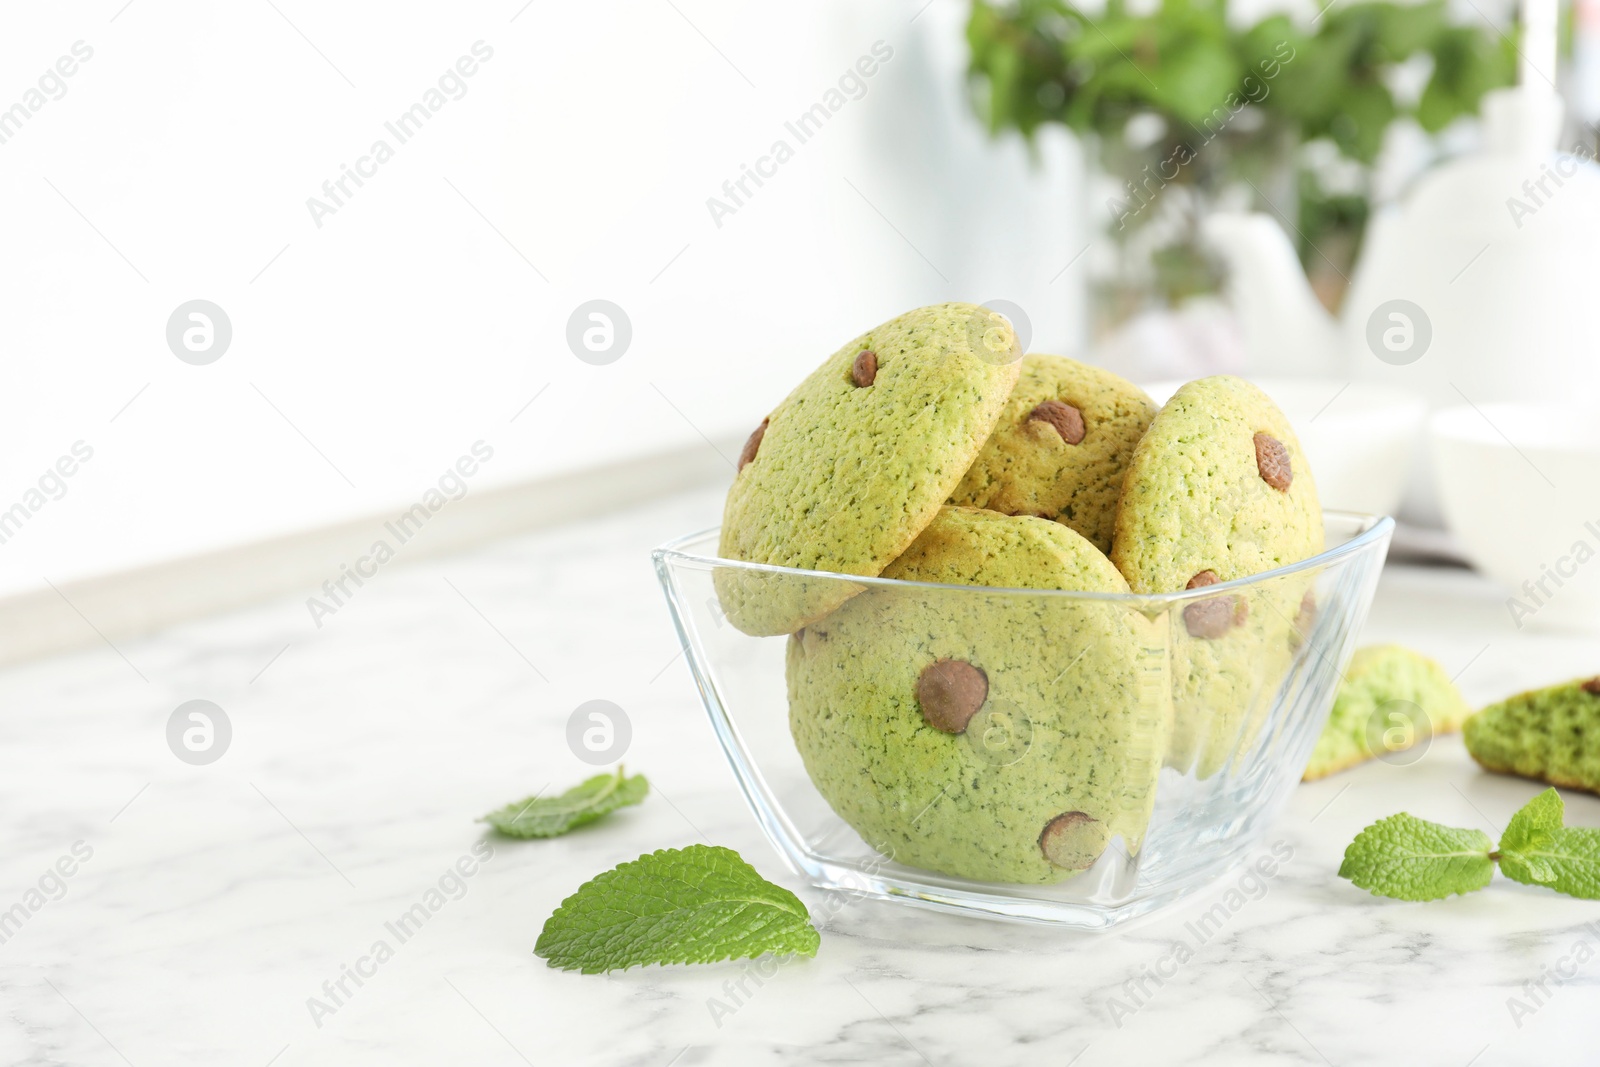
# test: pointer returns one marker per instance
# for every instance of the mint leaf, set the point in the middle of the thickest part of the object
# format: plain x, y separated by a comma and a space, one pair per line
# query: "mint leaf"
1537, 819
1411, 859
549, 816
1566, 860
693, 905
1537, 850
1529, 868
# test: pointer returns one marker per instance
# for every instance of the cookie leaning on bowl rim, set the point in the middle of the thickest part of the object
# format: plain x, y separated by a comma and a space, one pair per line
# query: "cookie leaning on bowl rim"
845, 473
1217, 489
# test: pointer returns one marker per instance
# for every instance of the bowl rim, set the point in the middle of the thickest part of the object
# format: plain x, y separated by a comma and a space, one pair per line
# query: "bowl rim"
1372, 530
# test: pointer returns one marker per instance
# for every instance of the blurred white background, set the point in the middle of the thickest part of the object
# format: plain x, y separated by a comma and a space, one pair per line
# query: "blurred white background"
426, 312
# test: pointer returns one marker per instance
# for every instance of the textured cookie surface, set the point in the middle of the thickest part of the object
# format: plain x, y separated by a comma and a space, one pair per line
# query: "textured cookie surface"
854, 463
1231, 653
1061, 447
1218, 489
1217, 484
995, 736
1550, 734
974, 546
1391, 698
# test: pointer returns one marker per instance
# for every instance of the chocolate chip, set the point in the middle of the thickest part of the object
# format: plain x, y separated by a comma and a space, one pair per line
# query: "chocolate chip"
1592, 687
864, 371
1306, 617
752, 444
950, 692
1210, 619
1272, 460
1070, 841
1067, 420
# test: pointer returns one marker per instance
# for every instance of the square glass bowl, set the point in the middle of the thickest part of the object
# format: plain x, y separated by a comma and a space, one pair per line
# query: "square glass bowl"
1125, 750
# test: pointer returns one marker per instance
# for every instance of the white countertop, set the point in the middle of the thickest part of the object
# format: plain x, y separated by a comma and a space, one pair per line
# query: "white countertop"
219, 898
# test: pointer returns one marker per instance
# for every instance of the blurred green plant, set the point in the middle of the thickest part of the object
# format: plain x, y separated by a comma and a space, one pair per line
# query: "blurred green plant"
1233, 104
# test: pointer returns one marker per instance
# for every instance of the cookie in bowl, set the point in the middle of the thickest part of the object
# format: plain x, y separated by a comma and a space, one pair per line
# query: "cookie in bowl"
1219, 489
1061, 448
845, 473
980, 733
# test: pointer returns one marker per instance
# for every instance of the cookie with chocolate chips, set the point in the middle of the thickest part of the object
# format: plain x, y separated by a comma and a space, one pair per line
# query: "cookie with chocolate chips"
982, 733
1217, 490
1218, 483
1061, 447
852, 465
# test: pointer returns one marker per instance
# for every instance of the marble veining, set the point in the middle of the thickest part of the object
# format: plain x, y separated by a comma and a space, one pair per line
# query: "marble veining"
219, 899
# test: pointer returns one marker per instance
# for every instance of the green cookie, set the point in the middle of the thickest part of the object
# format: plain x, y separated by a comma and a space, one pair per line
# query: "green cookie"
851, 466
997, 736
1391, 699
1218, 484
1550, 734
1231, 654
1061, 448
1218, 489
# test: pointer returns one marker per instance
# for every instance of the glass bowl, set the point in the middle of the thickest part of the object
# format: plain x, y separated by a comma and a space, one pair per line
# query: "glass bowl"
1124, 751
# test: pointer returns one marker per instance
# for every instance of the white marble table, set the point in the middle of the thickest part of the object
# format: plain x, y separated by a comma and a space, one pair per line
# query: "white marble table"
219, 898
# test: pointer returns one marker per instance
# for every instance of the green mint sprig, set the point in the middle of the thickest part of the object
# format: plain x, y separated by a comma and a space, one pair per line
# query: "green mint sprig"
698, 904
1538, 850
1412, 859
584, 803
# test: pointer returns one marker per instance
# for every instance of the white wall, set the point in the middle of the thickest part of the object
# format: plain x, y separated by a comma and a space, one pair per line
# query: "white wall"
406, 328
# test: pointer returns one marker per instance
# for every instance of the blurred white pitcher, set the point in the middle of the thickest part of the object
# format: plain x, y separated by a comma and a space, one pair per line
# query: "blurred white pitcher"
1478, 288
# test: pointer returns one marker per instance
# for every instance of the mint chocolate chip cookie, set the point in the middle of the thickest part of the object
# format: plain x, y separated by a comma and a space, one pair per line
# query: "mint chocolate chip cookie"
1551, 734
1218, 489
1061, 448
854, 463
985, 734
1218, 484
1391, 698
